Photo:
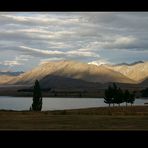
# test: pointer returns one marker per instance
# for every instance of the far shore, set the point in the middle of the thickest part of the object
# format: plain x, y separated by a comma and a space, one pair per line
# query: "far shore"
25, 91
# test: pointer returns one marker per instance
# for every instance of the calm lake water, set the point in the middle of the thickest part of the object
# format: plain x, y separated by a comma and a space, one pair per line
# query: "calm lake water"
24, 103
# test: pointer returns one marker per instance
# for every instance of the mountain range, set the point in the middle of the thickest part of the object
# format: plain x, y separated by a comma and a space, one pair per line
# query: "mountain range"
77, 74
129, 64
74, 70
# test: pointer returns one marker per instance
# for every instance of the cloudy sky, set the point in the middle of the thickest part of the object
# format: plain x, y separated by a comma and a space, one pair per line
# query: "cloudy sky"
28, 39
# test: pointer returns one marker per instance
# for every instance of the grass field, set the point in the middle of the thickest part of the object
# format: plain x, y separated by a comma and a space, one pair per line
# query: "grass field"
103, 118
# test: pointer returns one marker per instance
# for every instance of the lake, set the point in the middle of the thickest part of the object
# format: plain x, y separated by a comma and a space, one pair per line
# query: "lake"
24, 103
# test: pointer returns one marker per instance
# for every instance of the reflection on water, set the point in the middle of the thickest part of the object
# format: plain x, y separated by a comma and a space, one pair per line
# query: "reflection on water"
24, 103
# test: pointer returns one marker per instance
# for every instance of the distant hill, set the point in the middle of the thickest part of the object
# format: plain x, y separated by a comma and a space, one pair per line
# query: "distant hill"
6, 76
11, 73
74, 70
129, 64
59, 82
5, 79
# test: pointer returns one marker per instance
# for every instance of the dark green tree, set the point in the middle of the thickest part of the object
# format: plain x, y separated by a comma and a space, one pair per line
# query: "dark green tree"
114, 92
119, 96
144, 92
37, 97
108, 98
132, 98
114, 86
126, 97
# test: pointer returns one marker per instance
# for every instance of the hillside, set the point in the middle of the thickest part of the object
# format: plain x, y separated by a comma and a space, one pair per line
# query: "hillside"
4, 79
58, 82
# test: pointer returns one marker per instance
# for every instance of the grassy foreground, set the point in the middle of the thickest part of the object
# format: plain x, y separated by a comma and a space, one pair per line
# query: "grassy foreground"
102, 118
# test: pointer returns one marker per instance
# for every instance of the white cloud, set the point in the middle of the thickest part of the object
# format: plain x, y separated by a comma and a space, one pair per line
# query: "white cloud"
82, 53
43, 61
56, 52
46, 52
115, 42
124, 40
43, 19
17, 18
23, 58
18, 60
99, 62
33, 30
11, 63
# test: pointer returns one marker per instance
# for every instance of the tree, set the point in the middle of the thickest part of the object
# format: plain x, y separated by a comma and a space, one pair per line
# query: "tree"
108, 96
119, 96
37, 97
132, 98
144, 92
114, 86
126, 97
115, 91
115, 94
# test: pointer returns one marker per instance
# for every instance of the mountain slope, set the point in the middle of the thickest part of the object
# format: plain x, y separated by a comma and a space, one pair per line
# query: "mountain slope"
72, 69
6, 76
137, 72
4, 79
60, 82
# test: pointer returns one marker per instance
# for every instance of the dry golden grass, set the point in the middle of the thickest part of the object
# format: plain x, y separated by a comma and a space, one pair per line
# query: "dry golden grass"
103, 118
134, 110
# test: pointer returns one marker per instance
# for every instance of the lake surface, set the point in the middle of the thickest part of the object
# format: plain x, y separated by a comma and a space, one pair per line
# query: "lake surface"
24, 103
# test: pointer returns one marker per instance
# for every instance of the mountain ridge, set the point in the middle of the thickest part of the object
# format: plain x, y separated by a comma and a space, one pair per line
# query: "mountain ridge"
72, 69
129, 64
133, 74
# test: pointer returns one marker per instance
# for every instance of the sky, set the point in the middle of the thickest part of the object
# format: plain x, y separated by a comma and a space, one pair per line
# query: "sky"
28, 39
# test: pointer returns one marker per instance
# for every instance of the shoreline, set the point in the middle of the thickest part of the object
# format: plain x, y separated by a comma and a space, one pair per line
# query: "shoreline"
128, 108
